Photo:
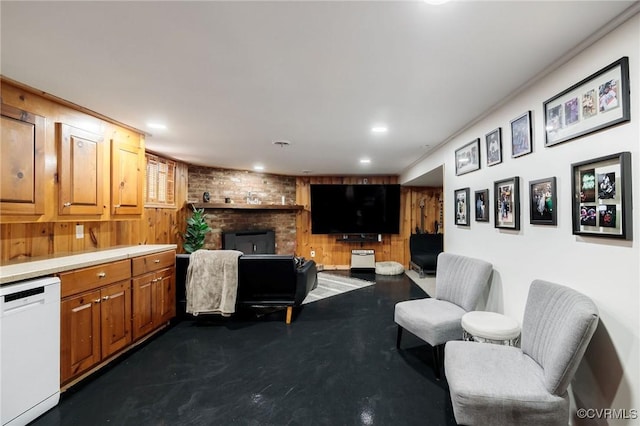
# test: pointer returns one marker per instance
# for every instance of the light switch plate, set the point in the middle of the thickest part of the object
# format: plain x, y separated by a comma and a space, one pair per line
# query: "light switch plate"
79, 232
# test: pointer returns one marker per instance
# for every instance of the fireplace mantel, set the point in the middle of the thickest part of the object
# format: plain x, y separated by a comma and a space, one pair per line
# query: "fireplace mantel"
234, 206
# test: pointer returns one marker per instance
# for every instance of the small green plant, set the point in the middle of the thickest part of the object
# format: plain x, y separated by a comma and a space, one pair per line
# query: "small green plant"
197, 229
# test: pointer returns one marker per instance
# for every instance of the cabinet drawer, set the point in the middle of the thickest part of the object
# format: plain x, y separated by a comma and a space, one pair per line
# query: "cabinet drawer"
93, 277
153, 262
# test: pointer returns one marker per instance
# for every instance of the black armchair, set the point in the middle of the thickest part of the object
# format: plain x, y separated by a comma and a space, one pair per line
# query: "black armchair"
424, 249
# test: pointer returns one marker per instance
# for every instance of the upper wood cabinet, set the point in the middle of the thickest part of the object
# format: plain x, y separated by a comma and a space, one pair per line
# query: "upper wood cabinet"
127, 178
22, 164
80, 158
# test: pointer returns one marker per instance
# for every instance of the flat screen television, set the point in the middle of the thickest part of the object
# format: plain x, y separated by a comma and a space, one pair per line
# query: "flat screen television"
355, 209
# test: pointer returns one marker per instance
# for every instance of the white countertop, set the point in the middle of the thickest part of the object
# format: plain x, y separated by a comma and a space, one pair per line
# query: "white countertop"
38, 267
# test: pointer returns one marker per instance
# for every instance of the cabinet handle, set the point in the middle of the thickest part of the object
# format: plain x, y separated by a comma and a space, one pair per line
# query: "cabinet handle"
156, 261
102, 274
67, 204
105, 298
97, 301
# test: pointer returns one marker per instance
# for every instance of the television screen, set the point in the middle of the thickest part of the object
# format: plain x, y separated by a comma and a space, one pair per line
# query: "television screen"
355, 209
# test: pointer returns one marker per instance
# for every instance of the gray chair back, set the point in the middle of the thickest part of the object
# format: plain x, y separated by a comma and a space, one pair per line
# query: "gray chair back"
461, 280
557, 327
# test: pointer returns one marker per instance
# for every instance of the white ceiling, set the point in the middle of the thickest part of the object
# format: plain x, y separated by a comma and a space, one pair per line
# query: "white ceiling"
230, 78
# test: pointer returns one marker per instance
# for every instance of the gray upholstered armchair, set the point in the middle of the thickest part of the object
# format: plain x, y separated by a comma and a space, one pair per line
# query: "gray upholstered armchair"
460, 281
505, 385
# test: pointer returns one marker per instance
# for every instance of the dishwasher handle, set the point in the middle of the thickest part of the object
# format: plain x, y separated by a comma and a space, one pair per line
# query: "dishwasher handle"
23, 294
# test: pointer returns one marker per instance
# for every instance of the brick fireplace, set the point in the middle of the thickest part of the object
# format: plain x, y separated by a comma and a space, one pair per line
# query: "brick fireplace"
236, 185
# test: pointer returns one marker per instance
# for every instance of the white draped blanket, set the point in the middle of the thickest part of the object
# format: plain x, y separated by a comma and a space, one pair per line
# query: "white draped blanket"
212, 282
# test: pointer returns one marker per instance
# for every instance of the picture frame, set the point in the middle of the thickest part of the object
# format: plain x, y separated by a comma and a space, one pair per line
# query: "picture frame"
468, 157
493, 141
595, 103
601, 190
507, 203
521, 135
461, 208
543, 203
481, 205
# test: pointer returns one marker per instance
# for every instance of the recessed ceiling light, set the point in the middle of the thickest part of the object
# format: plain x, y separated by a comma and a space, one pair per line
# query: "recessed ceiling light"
258, 167
379, 129
158, 126
365, 161
436, 2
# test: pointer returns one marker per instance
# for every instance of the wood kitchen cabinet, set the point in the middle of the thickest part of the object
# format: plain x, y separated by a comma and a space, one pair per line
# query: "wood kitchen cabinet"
22, 145
154, 292
127, 178
106, 308
95, 323
80, 180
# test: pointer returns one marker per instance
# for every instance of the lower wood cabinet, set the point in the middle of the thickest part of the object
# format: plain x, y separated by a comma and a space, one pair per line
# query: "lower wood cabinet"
154, 296
104, 310
95, 325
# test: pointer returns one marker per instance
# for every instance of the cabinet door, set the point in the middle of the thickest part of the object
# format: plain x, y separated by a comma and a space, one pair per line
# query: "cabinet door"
127, 163
79, 171
166, 288
21, 162
79, 334
144, 302
115, 311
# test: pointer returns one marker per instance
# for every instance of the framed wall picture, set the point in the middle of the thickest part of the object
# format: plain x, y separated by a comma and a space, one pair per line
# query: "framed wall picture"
461, 197
494, 147
599, 101
601, 190
482, 205
468, 157
507, 203
542, 202
521, 135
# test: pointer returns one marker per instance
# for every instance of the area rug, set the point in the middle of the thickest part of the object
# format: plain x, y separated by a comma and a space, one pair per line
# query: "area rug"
331, 285
428, 283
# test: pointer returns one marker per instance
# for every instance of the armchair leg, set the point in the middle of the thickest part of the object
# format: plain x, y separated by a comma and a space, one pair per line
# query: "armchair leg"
289, 314
437, 360
399, 337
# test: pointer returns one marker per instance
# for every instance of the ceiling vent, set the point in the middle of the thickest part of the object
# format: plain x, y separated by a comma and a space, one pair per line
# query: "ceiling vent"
282, 143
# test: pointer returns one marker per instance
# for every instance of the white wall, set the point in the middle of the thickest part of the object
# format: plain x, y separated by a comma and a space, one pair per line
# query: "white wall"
607, 270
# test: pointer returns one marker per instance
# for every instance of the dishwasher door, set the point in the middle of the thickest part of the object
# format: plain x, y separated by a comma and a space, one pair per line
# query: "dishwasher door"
29, 349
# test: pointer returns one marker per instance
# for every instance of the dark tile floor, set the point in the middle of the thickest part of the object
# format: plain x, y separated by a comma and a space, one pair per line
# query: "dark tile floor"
336, 364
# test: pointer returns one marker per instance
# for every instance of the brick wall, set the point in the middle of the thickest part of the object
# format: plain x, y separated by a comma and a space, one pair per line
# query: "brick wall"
236, 185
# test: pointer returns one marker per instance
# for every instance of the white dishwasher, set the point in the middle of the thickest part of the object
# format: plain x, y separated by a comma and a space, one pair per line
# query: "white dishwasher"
29, 349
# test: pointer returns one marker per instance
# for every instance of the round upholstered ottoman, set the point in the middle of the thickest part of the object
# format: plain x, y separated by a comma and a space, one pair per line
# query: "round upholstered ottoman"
389, 268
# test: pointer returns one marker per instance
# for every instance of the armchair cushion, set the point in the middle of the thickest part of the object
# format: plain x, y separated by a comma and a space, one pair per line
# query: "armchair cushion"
434, 321
517, 394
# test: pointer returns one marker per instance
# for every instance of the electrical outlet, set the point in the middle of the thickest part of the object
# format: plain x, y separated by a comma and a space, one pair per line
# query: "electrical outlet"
313, 253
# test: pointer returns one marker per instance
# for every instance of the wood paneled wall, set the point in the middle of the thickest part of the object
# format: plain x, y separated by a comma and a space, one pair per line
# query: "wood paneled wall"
156, 226
332, 254
23, 237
